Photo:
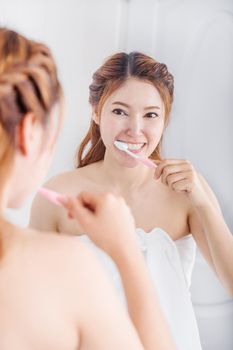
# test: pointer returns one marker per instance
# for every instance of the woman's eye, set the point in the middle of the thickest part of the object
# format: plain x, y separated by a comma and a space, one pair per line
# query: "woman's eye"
152, 115
119, 111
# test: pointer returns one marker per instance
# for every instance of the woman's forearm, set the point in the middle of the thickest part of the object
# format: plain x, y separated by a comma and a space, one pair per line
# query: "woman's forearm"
220, 242
143, 304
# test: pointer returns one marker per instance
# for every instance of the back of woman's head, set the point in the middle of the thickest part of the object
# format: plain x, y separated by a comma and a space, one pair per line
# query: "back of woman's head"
28, 84
109, 77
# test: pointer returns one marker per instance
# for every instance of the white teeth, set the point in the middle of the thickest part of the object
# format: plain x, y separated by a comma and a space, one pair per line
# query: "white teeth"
135, 146
130, 146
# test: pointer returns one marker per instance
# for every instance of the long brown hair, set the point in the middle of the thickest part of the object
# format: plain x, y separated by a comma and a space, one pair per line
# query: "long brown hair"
109, 77
28, 83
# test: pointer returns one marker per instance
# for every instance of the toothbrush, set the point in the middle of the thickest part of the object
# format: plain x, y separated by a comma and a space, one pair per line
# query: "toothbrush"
57, 198
52, 196
122, 146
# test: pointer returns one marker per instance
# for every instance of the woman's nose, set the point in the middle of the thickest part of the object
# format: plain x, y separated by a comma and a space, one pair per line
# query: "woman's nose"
134, 126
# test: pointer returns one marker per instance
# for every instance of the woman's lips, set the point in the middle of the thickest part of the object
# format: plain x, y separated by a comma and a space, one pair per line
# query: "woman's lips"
136, 151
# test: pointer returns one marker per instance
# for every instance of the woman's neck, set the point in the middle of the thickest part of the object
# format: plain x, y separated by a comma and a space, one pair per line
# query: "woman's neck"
124, 179
5, 235
3, 199
2, 205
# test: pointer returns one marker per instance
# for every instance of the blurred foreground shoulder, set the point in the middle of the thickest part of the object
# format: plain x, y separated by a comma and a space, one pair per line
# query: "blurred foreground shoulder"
102, 321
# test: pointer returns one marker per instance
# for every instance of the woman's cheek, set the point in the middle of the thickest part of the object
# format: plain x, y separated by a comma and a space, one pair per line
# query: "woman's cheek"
108, 133
155, 135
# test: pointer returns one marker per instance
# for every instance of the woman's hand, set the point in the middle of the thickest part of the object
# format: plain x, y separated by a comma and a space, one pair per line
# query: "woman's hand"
181, 177
105, 218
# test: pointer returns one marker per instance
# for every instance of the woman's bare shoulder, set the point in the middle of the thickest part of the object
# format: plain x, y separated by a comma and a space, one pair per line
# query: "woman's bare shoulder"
64, 260
46, 255
71, 275
56, 268
50, 243
45, 215
56, 253
67, 182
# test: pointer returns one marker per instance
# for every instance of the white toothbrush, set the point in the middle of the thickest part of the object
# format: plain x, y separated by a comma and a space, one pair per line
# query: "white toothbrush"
122, 146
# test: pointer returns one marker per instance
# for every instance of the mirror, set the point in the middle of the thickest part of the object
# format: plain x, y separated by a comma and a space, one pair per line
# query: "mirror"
195, 40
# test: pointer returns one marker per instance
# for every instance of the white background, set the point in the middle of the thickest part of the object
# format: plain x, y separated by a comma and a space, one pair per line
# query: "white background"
195, 39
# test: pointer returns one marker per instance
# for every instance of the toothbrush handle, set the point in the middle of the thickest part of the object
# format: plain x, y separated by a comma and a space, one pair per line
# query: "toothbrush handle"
52, 196
147, 162
131, 154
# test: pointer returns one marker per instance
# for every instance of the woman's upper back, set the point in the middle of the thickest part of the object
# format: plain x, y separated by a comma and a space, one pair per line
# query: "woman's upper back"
34, 305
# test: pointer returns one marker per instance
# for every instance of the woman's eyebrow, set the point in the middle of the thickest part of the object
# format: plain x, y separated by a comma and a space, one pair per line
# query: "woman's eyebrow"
128, 106
121, 103
152, 107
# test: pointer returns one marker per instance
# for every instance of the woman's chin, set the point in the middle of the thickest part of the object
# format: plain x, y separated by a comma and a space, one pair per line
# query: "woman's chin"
129, 163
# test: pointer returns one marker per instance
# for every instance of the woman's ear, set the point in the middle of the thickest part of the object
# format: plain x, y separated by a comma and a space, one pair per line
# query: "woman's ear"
95, 117
28, 134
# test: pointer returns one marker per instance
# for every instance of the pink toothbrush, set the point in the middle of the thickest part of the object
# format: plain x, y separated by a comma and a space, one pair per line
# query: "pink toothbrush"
122, 146
52, 196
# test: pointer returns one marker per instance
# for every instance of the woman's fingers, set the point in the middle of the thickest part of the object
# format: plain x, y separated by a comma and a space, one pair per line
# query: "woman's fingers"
96, 201
88, 204
182, 186
90, 200
168, 166
171, 179
105, 218
87, 200
79, 211
179, 175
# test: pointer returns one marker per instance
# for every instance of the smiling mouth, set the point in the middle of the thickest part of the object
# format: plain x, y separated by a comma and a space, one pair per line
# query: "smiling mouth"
134, 146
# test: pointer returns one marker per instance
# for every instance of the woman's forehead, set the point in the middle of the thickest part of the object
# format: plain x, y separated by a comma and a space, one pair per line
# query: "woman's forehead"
136, 91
